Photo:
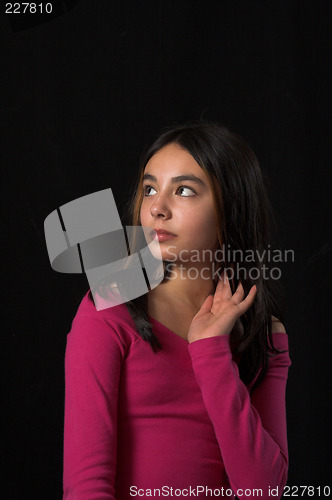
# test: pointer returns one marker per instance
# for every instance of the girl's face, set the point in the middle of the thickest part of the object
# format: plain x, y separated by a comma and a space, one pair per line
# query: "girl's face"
178, 199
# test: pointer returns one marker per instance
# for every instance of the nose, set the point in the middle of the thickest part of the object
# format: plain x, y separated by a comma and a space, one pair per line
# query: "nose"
160, 208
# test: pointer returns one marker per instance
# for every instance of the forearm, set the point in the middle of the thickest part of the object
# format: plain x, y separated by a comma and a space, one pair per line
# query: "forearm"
92, 368
254, 456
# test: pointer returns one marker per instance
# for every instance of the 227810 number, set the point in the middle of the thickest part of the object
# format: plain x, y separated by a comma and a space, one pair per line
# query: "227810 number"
310, 491
28, 8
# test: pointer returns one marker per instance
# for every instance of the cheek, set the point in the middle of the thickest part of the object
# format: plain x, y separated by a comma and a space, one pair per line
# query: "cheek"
206, 220
203, 228
144, 214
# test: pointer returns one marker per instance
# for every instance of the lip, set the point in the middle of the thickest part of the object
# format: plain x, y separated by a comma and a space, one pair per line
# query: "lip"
163, 235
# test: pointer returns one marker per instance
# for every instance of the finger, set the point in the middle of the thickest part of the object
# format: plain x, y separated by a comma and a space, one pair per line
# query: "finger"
223, 290
248, 301
238, 294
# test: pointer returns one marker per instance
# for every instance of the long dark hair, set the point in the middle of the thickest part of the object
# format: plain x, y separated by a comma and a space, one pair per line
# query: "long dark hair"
245, 220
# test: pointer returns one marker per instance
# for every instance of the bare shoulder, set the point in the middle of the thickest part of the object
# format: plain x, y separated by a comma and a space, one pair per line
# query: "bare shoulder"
277, 326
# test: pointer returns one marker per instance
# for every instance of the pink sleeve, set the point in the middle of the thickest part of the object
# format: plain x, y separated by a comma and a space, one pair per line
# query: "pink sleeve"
93, 360
250, 429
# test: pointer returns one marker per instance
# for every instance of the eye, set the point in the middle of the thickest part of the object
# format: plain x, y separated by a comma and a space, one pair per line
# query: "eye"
147, 191
186, 191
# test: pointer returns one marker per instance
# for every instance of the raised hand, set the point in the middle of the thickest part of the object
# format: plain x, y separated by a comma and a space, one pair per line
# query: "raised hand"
219, 312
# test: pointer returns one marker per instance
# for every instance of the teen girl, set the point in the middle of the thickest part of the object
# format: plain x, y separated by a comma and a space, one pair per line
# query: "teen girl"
181, 392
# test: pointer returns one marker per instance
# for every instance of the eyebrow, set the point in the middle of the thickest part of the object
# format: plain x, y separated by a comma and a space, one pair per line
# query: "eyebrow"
179, 178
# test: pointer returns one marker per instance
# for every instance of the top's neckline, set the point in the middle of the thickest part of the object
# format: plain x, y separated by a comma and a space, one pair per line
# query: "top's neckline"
181, 339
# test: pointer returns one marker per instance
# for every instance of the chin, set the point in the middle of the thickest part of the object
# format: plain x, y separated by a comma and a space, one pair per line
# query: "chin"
169, 254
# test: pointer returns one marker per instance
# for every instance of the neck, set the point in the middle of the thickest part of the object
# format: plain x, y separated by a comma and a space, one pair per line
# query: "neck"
187, 286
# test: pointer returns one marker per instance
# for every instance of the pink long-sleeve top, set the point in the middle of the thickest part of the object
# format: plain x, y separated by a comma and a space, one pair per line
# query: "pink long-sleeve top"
178, 422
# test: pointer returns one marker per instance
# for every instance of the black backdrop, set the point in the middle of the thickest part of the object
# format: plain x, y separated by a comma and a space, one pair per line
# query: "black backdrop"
83, 94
